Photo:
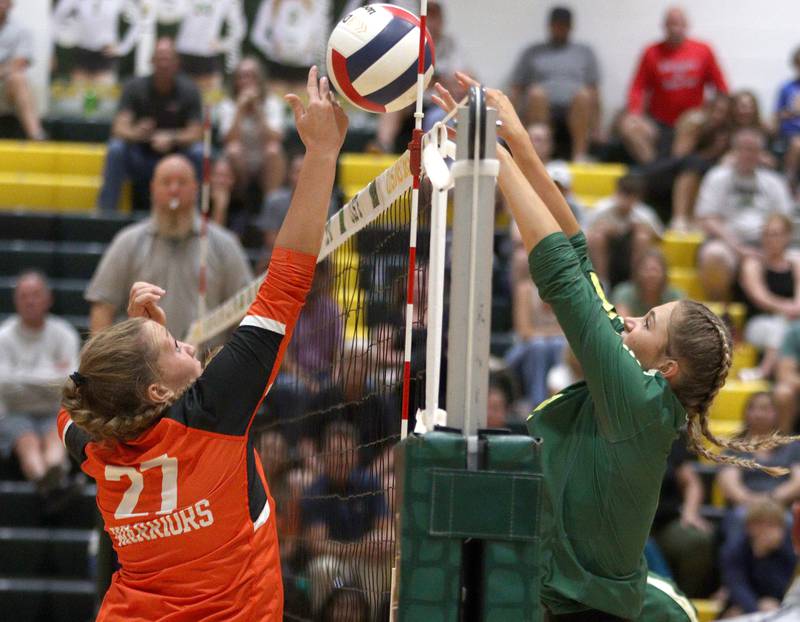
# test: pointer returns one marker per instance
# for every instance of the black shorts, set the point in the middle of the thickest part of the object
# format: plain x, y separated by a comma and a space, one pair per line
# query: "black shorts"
92, 61
194, 65
286, 73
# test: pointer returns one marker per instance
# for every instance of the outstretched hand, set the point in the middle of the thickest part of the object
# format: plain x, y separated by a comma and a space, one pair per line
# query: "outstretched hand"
322, 124
510, 126
143, 302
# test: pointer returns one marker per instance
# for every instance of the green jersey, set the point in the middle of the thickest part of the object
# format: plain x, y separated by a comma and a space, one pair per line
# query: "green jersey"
605, 446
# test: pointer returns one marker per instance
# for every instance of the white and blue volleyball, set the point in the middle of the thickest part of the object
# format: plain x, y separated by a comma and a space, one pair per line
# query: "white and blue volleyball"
373, 56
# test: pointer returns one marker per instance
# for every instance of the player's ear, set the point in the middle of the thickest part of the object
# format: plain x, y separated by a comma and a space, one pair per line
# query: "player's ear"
158, 393
669, 368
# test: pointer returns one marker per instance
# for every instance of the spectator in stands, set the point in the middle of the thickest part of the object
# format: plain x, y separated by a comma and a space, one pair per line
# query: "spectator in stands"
787, 379
354, 396
95, 29
291, 34
620, 229
164, 249
500, 399
770, 282
225, 208
743, 487
732, 207
158, 115
683, 536
558, 80
648, 287
342, 513
276, 204
758, 567
787, 120
199, 42
567, 372
671, 78
16, 55
37, 352
345, 604
251, 129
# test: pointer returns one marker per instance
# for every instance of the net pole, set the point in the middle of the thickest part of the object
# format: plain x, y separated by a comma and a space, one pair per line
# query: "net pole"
205, 200
415, 147
436, 269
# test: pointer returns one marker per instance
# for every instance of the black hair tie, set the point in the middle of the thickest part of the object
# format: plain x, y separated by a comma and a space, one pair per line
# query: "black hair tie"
78, 378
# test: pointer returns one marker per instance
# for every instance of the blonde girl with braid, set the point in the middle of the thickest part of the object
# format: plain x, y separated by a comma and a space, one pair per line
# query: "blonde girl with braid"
606, 439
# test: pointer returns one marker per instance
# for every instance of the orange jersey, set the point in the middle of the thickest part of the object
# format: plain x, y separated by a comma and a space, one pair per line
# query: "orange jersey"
186, 504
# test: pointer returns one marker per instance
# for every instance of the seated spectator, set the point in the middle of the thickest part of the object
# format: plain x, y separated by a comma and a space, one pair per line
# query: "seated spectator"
225, 208
558, 80
620, 229
499, 411
199, 41
787, 120
158, 115
37, 352
683, 536
758, 567
648, 287
671, 79
787, 380
251, 129
276, 204
94, 28
164, 249
743, 487
16, 56
732, 207
538, 338
770, 282
343, 514
789, 610
354, 396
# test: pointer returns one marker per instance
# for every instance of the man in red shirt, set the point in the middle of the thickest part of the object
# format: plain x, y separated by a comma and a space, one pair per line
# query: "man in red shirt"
671, 79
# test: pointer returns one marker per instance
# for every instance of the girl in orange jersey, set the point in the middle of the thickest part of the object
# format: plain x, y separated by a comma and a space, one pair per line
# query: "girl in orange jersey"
179, 482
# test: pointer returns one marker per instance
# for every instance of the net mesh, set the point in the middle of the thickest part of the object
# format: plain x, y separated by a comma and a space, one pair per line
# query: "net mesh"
333, 415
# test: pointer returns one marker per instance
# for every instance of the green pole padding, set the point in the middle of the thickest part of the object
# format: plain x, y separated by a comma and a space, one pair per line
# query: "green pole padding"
430, 566
511, 567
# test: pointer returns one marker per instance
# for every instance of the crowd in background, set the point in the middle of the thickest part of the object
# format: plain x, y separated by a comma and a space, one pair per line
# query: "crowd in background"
701, 158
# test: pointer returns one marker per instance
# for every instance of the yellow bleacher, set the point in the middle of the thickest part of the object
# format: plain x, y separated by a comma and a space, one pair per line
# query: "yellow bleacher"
51, 176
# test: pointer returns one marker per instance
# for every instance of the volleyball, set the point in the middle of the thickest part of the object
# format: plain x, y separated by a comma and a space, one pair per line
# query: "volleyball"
373, 55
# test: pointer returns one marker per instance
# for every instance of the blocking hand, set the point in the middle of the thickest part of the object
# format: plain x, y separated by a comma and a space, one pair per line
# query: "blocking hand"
322, 124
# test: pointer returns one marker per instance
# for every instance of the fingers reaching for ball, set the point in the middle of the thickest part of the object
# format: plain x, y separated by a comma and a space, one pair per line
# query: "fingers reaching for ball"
322, 124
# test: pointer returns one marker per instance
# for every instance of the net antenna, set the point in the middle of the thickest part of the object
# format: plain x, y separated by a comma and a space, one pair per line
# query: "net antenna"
415, 149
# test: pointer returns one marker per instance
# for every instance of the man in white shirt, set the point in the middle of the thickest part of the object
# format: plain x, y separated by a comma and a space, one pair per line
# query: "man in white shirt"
37, 352
733, 204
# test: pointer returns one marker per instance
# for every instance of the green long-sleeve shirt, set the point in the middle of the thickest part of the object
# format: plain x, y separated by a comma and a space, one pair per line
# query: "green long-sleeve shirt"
605, 446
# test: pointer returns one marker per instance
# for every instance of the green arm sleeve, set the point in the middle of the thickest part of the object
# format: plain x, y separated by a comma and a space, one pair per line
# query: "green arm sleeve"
626, 398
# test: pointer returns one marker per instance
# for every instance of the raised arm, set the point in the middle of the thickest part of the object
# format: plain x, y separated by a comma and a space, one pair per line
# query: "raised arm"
253, 356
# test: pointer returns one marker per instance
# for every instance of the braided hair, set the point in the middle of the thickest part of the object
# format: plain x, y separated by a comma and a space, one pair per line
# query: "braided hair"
108, 397
702, 345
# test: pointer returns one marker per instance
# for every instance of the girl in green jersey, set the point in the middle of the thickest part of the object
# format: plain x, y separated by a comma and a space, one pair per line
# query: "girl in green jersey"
605, 440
